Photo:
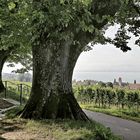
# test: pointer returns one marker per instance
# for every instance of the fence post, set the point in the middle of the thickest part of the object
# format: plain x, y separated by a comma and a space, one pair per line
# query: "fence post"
18, 86
5, 89
20, 94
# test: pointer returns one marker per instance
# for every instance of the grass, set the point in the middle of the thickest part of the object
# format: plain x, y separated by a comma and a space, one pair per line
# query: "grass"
19, 82
15, 95
13, 112
53, 129
13, 91
122, 113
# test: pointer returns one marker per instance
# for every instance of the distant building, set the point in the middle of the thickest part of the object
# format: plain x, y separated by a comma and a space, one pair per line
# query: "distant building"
115, 82
134, 86
120, 81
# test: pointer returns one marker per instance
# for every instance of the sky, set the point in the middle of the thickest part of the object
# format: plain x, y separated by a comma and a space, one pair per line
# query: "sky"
109, 58
105, 58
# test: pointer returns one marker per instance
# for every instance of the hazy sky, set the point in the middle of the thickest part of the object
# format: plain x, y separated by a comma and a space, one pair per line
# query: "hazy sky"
106, 58
109, 58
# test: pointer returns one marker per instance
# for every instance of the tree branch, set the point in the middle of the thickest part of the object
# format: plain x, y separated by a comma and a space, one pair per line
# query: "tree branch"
136, 9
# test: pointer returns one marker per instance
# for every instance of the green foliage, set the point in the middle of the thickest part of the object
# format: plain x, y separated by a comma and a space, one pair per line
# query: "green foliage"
121, 40
12, 24
107, 97
64, 20
130, 114
15, 30
128, 18
118, 102
25, 22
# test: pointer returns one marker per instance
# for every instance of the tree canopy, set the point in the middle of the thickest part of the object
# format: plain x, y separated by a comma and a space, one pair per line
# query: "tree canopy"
22, 22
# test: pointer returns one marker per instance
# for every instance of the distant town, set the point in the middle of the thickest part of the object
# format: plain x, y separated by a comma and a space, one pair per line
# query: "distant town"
27, 77
115, 83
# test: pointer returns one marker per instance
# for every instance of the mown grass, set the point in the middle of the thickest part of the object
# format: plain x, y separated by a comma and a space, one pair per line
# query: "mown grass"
57, 129
122, 113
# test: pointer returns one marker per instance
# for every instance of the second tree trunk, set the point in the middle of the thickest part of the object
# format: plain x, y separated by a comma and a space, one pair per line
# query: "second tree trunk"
3, 57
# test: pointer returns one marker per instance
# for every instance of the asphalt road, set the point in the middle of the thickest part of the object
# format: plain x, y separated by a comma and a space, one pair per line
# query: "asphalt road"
128, 130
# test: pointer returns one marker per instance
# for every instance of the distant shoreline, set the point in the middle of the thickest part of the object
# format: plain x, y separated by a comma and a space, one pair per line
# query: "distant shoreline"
107, 76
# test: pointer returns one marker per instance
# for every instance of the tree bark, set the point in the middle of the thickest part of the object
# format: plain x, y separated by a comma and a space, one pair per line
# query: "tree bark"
52, 96
3, 57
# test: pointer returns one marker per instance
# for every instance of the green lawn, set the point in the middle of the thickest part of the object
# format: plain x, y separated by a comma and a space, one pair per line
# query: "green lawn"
131, 114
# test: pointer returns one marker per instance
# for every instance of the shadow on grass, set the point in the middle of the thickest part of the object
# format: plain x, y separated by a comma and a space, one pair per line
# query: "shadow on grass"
58, 129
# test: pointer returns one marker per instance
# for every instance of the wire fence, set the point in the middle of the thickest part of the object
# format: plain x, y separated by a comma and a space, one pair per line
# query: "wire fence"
16, 91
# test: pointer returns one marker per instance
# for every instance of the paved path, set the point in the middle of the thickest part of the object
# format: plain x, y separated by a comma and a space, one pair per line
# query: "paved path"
12, 101
128, 130
2, 111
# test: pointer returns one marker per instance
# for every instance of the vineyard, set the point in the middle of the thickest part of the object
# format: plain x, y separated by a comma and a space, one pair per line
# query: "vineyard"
106, 99
119, 102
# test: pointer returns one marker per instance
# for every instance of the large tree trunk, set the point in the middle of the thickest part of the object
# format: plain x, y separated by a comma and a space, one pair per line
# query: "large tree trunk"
3, 56
52, 95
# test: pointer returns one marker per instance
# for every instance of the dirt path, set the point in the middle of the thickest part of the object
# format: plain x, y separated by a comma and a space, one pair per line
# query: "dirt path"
129, 130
